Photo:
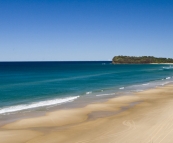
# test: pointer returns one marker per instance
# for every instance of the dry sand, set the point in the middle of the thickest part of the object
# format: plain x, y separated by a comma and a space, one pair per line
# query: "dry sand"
146, 117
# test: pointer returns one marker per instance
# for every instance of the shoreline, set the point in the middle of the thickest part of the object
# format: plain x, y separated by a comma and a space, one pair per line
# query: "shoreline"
162, 63
78, 103
96, 122
133, 83
83, 101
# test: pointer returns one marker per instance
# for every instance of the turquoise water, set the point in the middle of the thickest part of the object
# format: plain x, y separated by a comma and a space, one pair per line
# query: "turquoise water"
28, 85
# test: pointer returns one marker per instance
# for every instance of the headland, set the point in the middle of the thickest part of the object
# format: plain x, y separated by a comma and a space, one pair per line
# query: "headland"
140, 60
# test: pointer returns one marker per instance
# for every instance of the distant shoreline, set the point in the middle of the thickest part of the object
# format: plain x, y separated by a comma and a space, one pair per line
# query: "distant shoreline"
141, 60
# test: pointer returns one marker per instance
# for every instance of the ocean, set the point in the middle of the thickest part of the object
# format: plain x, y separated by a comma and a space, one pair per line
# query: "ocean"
39, 85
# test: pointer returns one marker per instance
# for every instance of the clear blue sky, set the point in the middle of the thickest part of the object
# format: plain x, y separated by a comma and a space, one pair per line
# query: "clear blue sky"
58, 30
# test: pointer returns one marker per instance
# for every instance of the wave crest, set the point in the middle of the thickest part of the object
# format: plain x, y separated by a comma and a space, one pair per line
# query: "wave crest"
37, 104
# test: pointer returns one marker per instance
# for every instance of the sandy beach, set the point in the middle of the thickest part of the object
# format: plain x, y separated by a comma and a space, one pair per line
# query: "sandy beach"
145, 117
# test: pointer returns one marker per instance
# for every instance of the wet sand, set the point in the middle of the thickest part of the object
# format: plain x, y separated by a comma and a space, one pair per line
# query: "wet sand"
145, 117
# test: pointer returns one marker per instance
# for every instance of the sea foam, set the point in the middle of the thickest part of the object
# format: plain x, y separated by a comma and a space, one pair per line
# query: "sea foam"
121, 88
168, 78
146, 84
105, 94
37, 104
170, 67
89, 92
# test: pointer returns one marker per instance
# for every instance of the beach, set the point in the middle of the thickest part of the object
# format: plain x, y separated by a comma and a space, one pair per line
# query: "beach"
84, 71
144, 117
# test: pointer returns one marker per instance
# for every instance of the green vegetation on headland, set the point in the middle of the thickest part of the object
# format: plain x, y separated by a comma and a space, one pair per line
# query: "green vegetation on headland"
140, 60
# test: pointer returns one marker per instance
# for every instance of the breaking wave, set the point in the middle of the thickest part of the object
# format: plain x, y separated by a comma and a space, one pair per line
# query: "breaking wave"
37, 104
121, 88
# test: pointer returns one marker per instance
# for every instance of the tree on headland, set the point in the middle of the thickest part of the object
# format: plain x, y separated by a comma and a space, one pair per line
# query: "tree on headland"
140, 60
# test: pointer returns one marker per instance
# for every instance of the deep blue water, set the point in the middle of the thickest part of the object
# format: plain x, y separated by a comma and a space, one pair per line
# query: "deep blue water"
23, 84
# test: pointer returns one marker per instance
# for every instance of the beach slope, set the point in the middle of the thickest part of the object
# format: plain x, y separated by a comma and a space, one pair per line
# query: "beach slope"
145, 117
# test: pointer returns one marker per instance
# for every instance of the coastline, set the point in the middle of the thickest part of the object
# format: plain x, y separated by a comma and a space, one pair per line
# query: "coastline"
128, 118
162, 63
93, 82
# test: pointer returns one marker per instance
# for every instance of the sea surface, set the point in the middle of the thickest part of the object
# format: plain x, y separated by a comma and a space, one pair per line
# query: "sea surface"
34, 85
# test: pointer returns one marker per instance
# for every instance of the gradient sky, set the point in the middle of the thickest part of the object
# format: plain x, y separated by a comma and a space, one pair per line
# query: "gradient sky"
65, 30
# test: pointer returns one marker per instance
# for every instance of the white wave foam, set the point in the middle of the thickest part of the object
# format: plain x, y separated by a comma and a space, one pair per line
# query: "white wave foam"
105, 94
121, 88
146, 84
170, 67
89, 92
164, 83
168, 78
37, 104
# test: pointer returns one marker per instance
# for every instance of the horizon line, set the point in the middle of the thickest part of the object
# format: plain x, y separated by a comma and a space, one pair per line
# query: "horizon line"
62, 61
